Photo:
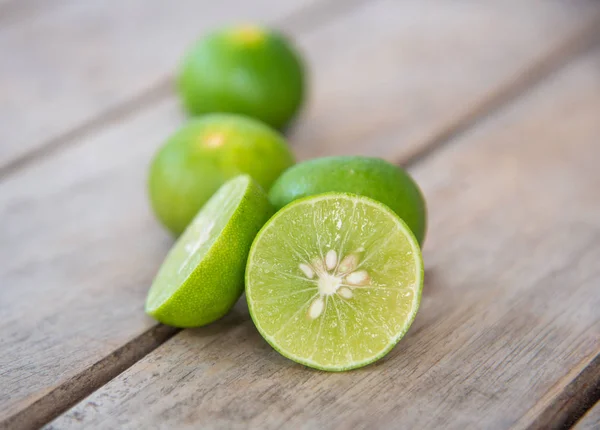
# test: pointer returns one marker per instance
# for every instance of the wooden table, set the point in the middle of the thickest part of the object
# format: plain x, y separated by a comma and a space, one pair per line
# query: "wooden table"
494, 107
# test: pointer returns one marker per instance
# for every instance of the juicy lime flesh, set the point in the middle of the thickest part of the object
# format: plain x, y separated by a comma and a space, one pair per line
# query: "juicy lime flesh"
334, 281
193, 245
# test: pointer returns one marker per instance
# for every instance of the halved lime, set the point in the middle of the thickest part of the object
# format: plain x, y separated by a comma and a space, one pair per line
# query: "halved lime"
334, 281
203, 275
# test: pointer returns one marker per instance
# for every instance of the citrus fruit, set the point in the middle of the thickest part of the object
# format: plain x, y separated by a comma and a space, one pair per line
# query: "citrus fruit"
371, 177
334, 281
245, 69
203, 275
206, 152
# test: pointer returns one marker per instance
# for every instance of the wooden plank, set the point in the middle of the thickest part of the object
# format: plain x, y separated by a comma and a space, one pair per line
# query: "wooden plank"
17, 12
80, 59
80, 217
564, 405
423, 69
509, 312
79, 247
84, 86
591, 420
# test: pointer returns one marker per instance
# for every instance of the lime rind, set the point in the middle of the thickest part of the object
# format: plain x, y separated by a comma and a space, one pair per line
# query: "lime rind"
392, 340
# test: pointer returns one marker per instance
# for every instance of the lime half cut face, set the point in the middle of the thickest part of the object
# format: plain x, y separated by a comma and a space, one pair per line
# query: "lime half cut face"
203, 275
334, 281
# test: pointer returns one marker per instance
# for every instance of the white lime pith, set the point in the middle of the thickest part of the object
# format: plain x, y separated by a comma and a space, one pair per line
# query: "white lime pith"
334, 281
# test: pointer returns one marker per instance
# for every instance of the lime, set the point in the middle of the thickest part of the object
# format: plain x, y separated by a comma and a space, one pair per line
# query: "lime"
334, 281
203, 275
246, 69
371, 177
206, 152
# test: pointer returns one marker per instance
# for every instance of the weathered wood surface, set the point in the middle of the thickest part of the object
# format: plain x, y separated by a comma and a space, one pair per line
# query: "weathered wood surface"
591, 420
571, 401
78, 244
15, 12
425, 68
64, 68
77, 64
509, 315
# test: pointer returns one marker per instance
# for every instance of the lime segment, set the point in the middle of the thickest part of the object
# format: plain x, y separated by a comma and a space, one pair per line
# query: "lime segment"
334, 281
202, 276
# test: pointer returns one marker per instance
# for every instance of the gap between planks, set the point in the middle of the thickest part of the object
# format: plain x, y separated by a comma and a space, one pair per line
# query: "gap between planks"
565, 407
506, 94
301, 20
560, 407
84, 383
60, 399
591, 420
538, 405
304, 20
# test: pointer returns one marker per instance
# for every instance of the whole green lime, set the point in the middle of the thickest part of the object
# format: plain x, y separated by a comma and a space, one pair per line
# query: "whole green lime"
203, 155
366, 176
247, 69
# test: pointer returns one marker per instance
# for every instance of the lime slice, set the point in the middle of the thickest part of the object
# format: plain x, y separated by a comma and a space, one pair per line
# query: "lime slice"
203, 275
334, 281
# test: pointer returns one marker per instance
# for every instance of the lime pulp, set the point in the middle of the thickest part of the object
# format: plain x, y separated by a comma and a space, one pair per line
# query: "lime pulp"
334, 281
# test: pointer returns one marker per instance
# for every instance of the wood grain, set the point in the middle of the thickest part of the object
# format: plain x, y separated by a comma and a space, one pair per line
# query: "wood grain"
591, 420
78, 249
81, 59
130, 54
562, 406
509, 308
79, 245
425, 67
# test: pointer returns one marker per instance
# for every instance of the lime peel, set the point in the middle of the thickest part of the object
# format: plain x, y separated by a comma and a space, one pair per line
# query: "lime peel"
202, 276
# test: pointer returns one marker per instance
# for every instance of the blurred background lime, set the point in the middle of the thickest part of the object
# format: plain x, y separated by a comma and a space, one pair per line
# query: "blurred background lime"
203, 155
245, 69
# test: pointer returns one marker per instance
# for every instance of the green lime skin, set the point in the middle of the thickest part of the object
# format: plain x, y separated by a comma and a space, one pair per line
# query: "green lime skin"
366, 176
205, 153
248, 70
202, 277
